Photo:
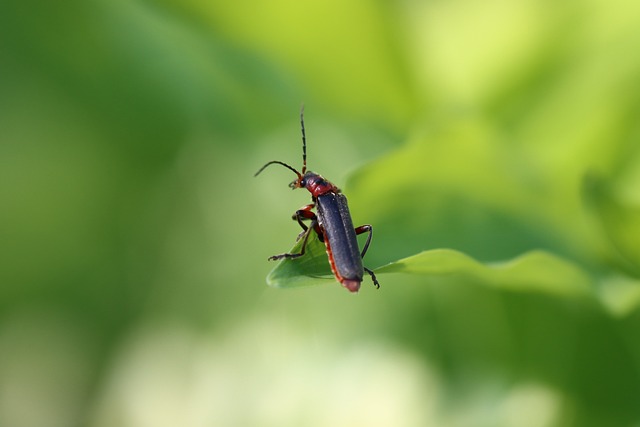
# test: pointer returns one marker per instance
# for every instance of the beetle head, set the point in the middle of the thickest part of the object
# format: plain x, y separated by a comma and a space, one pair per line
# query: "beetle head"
304, 180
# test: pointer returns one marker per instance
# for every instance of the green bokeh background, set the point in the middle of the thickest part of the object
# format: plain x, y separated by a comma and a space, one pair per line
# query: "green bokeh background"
133, 237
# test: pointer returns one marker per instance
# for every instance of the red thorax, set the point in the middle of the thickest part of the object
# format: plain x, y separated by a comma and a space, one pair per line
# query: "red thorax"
316, 184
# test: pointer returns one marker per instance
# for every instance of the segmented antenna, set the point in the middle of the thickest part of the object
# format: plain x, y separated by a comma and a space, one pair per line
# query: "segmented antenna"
304, 153
277, 162
304, 141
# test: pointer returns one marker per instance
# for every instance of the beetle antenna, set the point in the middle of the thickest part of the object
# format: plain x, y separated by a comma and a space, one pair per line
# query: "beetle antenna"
304, 141
279, 163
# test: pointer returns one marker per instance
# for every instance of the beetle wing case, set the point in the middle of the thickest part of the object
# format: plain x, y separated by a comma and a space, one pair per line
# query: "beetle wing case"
335, 219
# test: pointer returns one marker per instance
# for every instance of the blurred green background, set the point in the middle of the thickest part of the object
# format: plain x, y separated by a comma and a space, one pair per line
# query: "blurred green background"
134, 238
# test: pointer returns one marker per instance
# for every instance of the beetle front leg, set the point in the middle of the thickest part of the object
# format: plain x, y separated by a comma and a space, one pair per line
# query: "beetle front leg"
303, 214
306, 235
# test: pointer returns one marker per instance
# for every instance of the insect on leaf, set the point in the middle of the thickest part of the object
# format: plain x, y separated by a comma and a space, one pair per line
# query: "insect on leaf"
535, 271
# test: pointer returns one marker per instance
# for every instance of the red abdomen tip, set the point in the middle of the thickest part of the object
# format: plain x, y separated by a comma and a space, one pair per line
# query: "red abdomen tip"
352, 285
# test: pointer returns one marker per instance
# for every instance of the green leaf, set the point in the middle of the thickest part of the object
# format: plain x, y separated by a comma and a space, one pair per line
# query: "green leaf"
533, 271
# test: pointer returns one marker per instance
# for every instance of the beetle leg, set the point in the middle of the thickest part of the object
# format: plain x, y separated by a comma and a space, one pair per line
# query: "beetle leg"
303, 214
306, 234
319, 232
365, 229
373, 277
315, 226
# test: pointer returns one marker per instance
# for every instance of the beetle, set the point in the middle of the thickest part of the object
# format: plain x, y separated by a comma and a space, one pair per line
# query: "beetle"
332, 224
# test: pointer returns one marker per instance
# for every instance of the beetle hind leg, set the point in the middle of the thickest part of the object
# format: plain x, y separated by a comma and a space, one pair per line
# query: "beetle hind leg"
373, 277
367, 229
